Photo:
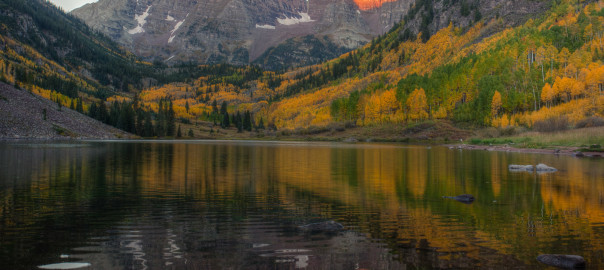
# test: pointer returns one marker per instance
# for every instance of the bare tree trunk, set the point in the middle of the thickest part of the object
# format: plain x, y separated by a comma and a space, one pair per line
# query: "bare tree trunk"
535, 97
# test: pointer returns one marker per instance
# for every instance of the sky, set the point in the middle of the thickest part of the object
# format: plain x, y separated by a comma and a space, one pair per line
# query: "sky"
69, 5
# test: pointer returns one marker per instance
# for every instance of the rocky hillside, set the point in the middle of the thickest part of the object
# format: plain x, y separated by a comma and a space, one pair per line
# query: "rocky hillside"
241, 31
26, 115
429, 16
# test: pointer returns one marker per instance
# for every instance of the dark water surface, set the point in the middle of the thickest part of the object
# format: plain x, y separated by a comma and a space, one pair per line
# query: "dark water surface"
236, 205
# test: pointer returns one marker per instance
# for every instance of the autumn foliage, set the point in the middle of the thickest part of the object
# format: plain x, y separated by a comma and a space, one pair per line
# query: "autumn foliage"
551, 66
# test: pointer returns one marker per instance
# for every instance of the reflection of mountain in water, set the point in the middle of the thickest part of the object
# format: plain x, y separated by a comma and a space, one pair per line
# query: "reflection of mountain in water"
229, 204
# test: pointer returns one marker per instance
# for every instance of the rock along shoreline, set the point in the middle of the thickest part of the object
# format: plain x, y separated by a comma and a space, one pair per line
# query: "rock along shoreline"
563, 151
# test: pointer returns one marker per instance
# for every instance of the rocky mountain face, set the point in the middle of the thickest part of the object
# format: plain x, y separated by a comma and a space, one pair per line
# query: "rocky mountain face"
242, 31
429, 16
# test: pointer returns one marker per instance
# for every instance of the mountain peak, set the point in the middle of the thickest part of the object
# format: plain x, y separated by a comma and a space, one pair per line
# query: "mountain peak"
241, 31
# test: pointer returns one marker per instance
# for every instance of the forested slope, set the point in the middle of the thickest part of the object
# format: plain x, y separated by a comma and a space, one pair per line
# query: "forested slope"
487, 73
488, 67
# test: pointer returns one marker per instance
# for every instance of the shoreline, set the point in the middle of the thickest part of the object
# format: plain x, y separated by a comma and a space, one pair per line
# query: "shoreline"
563, 151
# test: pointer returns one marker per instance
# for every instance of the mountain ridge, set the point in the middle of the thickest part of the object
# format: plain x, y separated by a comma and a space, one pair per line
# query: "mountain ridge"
237, 31
484, 68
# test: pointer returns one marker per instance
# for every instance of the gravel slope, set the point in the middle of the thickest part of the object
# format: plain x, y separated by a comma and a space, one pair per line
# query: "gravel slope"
21, 116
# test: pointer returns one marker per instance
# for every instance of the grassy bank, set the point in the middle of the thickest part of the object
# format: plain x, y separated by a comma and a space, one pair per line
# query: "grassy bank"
424, 132
592, 137
427, 131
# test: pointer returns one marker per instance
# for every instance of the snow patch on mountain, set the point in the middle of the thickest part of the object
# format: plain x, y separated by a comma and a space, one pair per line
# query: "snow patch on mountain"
178, 24
141, 20
304, 18
265, 26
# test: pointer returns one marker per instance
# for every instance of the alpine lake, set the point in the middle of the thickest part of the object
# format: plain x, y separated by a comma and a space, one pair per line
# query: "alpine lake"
243, 204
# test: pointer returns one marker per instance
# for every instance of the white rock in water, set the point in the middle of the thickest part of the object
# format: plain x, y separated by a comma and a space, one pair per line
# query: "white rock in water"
68, 265
544, 168
520, 168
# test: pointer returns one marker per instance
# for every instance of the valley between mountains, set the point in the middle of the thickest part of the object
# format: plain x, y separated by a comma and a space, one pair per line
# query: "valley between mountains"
334, 70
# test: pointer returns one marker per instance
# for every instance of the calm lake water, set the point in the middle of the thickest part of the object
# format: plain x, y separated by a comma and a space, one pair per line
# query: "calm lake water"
237, 205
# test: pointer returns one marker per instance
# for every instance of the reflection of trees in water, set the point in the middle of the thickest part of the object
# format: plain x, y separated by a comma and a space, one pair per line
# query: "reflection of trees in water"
196, 202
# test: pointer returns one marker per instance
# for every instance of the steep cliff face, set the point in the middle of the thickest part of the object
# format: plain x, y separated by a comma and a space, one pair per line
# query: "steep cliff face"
239, 31
429, 16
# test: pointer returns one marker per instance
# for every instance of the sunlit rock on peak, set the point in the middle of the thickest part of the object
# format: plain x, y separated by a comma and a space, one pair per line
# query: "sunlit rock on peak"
371, 4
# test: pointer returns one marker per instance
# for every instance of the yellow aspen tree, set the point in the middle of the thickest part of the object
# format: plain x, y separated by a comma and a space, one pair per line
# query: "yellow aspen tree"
505, 121
577, 89
594, 81
541, 57
372, 109
563, 57
547, 94
561, 88
389, 103
496, 104
417, 104
551, 56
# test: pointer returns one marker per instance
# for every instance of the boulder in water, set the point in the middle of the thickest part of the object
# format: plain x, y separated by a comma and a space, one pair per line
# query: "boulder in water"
562, 261
329, 226
65, 265
544, 168
520, 168
351, 140
464, 198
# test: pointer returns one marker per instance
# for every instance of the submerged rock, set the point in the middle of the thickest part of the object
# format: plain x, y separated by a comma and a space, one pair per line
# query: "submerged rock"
562, 261
464, 198
520, 168
65, 265
544, 168
322, 227
351, 140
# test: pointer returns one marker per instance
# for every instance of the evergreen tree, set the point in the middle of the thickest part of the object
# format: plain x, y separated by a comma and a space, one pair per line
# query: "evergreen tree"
171, 119
223, 108
148, 125
103, 115
160, 123
239, 122
93, 111
178, 134
247, 121
225, 121
261, 124
72, 106
215, 106
191, 135
114, 116
140, 122
79, 106
125, 117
